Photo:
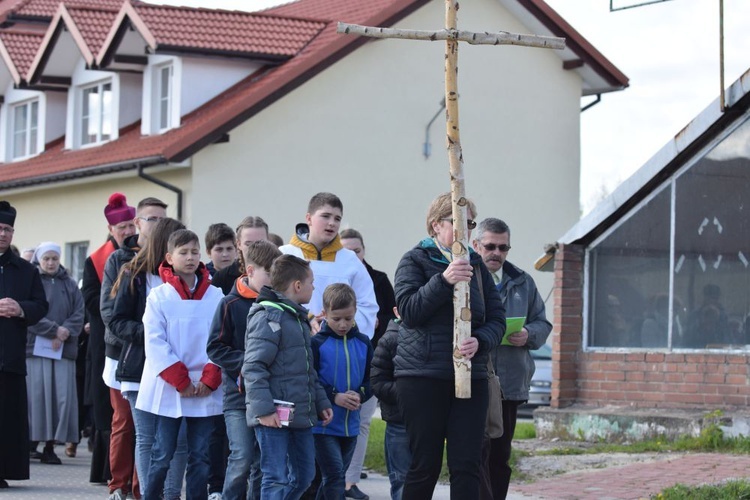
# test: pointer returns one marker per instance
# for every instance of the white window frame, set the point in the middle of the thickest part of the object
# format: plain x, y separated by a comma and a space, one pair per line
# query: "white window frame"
31, 145
162, 100
98, 114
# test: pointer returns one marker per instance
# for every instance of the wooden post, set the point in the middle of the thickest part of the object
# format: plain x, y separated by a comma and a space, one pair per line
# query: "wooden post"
460, 247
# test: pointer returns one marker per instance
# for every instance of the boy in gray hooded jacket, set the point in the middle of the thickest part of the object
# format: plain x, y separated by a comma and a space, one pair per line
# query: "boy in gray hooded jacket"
279, 367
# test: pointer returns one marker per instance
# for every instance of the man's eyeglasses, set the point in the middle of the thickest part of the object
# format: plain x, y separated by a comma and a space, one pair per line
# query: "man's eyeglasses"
151, 219
491, 247
6, 230
470, 223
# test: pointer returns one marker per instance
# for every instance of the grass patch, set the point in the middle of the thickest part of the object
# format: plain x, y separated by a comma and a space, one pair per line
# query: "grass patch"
731, 490
375, 456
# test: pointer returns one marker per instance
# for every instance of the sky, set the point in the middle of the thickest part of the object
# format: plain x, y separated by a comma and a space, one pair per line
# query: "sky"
670, 52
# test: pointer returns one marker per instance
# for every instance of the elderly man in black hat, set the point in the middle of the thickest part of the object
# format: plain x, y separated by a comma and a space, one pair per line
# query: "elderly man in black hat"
22, 304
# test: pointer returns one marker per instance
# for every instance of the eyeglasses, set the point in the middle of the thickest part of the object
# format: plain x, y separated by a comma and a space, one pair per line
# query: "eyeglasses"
151, 219
491, 247
7, 230
470, 223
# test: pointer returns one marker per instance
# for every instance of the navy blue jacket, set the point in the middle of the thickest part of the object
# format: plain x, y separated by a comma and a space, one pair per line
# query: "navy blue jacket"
226, 343
343, 364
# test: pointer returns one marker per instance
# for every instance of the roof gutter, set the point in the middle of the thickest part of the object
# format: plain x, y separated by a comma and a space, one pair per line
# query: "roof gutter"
82, 173
165, 185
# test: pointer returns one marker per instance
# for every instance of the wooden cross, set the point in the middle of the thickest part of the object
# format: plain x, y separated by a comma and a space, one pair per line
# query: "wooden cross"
459, 249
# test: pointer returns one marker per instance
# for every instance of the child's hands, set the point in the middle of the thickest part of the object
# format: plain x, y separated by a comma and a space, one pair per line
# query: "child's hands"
271, 420
188, 392
315, 323
202, 390
349, 400
326, 416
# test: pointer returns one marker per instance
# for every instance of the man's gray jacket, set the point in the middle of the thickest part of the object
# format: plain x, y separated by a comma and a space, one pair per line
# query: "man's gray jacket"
514, 365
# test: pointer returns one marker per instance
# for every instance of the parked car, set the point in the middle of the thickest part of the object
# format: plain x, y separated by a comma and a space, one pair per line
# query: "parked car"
541, 383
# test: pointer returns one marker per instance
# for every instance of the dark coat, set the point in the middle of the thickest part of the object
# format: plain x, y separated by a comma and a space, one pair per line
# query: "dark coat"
226, 345
19, 281
126, 325
119, 258
225, 278
65, 309
425, 302
382, 378
385, 298
514, 365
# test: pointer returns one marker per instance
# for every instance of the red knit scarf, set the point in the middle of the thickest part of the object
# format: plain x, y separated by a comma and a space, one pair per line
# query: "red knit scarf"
167, 275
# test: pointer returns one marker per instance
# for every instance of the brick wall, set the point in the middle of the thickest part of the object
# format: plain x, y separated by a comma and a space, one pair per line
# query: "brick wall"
567, 324
639, 379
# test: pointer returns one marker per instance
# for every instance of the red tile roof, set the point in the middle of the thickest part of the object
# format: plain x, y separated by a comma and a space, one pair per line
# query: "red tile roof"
47, 8
22, 46
227, 31
94, 24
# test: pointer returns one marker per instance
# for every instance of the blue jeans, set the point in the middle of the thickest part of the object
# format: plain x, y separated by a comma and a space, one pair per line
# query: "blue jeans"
287, 460
145, 431
198, 435
243, 467
397, 457
334, 454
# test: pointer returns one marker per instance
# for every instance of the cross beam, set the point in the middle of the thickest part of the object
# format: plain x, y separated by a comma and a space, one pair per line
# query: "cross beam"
451, 35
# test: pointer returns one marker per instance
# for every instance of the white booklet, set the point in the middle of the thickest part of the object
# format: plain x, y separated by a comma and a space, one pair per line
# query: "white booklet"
43, 348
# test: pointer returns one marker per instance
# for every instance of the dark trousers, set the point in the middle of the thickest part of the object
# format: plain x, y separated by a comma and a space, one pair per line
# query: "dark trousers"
14, 423
496, 470
218, 452
434, 417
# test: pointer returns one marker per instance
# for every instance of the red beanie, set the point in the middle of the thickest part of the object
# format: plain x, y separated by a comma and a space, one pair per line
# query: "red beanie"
118, 210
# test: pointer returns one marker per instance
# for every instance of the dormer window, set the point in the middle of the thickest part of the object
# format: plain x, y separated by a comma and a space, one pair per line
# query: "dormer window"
164, 78
24, 129
96, 113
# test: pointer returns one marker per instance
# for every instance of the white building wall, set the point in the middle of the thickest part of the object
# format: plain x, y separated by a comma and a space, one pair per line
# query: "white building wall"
357, 130
202, 79
74, 212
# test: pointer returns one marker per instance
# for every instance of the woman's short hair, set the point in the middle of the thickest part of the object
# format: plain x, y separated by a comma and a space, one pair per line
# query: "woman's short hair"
442, 208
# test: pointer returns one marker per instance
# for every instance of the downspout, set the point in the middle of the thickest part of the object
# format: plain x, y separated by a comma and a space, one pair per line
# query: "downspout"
593, 103
165, 185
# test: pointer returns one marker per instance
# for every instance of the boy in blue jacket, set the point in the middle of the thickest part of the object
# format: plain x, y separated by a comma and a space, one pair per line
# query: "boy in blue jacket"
342, 359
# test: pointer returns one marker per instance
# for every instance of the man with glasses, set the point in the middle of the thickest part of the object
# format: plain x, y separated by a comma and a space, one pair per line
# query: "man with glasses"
513, 362
22, 304
121, 452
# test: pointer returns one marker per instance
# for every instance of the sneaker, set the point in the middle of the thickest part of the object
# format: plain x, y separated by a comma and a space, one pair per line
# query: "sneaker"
116, 495
355, 492
363, 475
49, 457
214, 496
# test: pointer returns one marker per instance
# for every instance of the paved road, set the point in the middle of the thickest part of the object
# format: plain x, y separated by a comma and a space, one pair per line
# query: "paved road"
70, 481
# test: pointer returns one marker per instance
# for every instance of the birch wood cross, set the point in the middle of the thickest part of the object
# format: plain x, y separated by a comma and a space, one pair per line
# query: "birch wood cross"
459, 249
